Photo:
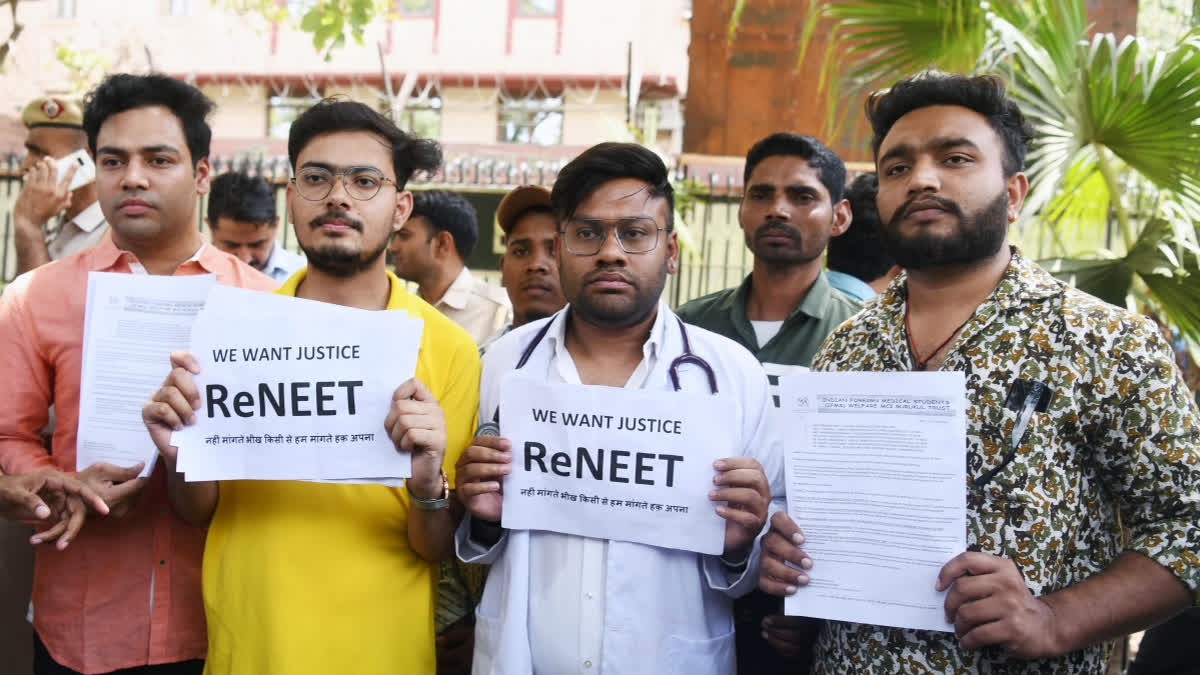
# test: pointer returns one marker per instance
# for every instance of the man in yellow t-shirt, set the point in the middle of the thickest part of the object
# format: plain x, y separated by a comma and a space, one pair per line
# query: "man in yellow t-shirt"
311, 578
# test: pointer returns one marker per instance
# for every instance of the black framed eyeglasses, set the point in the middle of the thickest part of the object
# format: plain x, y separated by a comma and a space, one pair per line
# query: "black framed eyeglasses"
586, 236
361, 182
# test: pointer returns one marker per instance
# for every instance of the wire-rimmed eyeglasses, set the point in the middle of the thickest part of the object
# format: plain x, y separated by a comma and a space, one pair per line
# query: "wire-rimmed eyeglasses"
361, 182
586, 236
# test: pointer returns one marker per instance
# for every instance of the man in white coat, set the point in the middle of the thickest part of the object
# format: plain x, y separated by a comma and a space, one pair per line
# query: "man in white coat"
559, 603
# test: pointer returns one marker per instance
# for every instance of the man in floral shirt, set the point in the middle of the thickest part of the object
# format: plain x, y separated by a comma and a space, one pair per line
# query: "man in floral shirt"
1111, 437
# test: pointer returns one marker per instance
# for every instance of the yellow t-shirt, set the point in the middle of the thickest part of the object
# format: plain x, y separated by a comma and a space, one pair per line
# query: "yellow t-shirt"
311, 578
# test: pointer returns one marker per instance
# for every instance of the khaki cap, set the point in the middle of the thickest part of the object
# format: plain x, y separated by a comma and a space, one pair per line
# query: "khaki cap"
517, 202
53, 111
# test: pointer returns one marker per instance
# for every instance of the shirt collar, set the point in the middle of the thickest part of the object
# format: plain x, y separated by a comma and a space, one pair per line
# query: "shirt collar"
814, 305
90, 218
557, 338
105, 256
397, 297
1023, 281
459, 293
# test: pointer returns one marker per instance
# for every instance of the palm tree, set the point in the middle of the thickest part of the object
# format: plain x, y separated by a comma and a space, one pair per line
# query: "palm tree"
1114, 199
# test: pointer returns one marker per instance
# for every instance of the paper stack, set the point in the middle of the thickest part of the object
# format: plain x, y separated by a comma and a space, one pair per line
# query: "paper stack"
132, 323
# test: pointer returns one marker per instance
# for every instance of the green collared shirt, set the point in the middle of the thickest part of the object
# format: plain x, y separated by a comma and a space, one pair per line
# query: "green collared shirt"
823, 309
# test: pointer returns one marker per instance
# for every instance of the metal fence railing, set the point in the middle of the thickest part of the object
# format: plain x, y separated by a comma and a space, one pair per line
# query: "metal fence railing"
714, 255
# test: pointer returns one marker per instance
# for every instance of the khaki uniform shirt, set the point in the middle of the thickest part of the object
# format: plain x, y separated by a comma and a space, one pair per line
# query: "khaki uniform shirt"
479, 307
82, 232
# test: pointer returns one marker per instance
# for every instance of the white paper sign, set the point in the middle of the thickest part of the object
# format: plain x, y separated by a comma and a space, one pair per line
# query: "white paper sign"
296, 390
610, 463
132, 323
876, 478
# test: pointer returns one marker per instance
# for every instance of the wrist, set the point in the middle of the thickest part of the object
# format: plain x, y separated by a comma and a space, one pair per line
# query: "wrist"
422, 502
1058, 635
425, 488
486, 532
25, 225
736, 558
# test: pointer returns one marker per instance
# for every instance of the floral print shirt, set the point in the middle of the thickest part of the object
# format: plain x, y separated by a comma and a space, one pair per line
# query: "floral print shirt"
1116, 446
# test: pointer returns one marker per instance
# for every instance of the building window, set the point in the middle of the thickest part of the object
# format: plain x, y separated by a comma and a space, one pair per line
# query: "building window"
179, 8
535, 120
64, 9
422, 117
414, 7
283, 110
537, 7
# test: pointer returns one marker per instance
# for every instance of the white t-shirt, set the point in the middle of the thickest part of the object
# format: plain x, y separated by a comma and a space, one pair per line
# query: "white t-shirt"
765, 330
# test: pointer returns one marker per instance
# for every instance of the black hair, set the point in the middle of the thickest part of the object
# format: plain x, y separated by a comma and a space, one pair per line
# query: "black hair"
448, 212
984, 94
829, 167
409, 154
859, 251
609, 161
239, 196
123, 91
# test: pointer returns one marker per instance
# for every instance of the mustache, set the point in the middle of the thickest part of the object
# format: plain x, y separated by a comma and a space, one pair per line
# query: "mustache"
946, 205
334, 215
777, 227
625, 276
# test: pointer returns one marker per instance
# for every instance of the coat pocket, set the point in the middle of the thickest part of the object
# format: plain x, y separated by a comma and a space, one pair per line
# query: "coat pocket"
693, 657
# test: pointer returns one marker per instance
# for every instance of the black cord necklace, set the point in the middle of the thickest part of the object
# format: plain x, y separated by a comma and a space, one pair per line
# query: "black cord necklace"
912, 346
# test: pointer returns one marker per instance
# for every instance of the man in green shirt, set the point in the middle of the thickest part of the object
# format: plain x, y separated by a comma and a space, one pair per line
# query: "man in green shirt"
793, 204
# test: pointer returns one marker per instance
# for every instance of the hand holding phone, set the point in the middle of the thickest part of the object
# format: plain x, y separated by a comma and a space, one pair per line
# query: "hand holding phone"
85, 168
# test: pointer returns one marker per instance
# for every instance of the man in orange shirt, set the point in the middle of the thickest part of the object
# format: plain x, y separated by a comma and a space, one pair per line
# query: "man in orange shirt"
125, 596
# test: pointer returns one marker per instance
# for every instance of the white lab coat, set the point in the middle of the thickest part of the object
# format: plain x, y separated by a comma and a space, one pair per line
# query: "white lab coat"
665, 611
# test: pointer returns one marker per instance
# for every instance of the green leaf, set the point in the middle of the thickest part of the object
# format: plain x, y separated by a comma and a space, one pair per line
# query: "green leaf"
1110, 280
312, 20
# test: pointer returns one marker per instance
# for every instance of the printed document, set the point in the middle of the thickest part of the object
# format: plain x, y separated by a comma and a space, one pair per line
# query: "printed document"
876, 478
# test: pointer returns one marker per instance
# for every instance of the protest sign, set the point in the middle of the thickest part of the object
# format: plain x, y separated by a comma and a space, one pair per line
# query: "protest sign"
609, 463
295, 390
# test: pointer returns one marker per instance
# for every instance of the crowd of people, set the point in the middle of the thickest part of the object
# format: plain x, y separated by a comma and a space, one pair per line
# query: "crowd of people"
1082, 527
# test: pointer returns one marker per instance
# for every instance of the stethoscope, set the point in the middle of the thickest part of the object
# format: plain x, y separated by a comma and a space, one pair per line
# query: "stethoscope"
687, 357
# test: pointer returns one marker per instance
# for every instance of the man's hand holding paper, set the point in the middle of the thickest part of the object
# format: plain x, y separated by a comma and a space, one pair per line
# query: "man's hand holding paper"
742, 486
417, 425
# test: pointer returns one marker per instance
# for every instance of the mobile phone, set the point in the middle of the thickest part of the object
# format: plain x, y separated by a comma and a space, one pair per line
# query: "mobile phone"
85, 171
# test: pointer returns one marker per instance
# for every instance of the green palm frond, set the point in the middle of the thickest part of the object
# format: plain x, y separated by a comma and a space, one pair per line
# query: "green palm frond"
1103, 105
1171, 278
870, 43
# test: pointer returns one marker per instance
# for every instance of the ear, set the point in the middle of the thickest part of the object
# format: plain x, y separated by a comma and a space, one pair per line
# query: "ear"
288, 193
672, 252
203, 176
842, 217
443, 244
404, 207
1016, 187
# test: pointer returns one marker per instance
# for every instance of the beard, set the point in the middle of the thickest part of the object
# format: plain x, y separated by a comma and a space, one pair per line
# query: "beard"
794, 254
977, 237
337, 260
614, 310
